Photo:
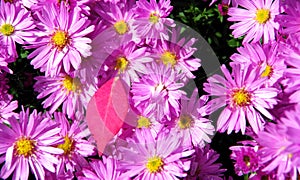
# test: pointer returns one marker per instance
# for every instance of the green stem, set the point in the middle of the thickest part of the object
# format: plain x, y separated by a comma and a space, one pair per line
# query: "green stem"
246, 177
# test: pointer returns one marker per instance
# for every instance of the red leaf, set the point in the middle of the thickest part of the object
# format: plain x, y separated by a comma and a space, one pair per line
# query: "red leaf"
106, 112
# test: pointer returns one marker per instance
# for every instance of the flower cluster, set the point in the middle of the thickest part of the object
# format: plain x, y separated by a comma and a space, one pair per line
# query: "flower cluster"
78, 46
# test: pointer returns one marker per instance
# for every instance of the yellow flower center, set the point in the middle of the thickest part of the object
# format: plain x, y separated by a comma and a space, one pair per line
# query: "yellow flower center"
67, 146
121, 64
7, 29
154, 164
267, 72
143, 122
168, 58
185, 122
121, 27
262, 16
60, 39
25, 146
241, 97
154, 18
246, 159
72, 84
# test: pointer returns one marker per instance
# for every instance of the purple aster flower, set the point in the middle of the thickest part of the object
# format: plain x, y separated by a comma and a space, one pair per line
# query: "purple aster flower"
255, 20
263, 56
244, 96
158, 92
29, 143
177, 54
204, 166
16, 26
61, 40
289, 21
151, 21
64, 90
191, 125
146, 156
274, 151
128, 62
118, 18
107, 168
246, 158
75, 147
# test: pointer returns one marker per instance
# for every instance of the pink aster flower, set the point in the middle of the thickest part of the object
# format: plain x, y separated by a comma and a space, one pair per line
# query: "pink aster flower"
29, 143
146, 156
107, 168
158, 92
177, 54
16, 26
118, 18
263, 56
255, 20
61, 40
64, 90
128, 61
204, 165
244, 96
191, 125
151, 21
246, 158
75, 147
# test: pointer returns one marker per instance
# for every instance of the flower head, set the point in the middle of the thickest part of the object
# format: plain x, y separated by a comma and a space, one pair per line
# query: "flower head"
64, 90
29, 143
145, 156
204, 165
75, 147
243, 96
255, 20
157, 92
62, 42
16, 26
151, 21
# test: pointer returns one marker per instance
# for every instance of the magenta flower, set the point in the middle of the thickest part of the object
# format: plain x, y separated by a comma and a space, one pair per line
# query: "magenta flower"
75, 147
61, 40
118, 18
146, 156
128, 61
64, 90
255, 20
99, 170
177, 54
151, 21
246, 158
191, 125
29, 143
16, 26
158, 92
244, 96
274, 151
204, 165
289, 21
263, 56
